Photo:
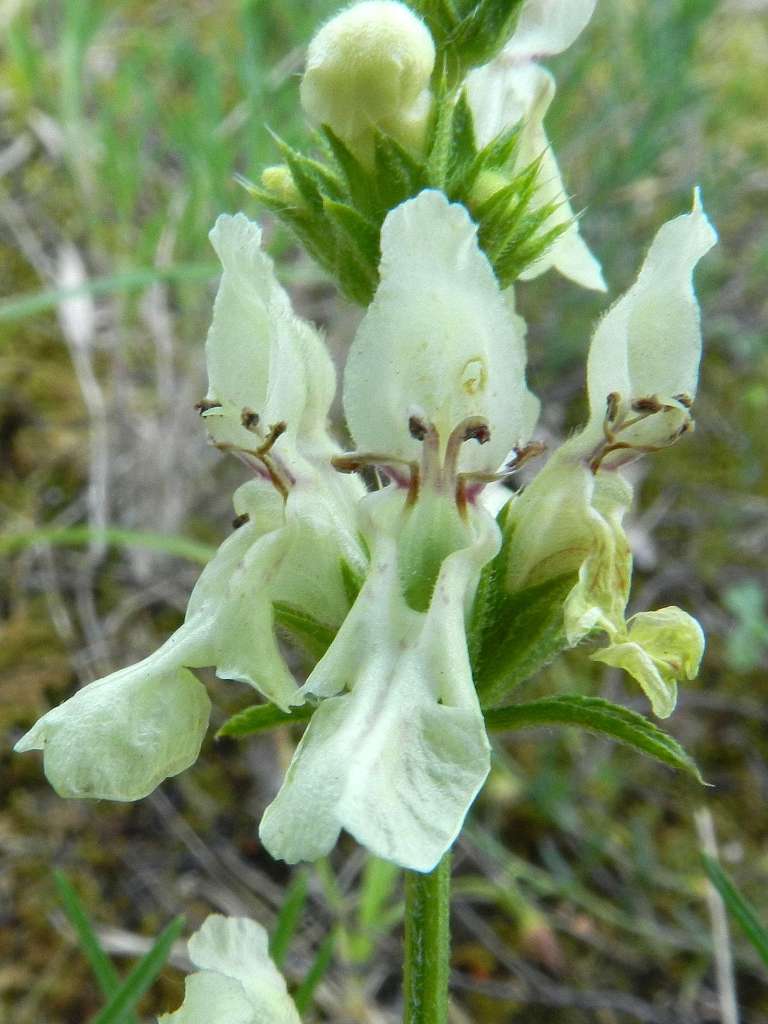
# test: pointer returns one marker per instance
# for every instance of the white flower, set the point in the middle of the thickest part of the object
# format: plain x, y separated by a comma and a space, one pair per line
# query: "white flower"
237, 982
515, 88
641, 378
121, 736
435, 397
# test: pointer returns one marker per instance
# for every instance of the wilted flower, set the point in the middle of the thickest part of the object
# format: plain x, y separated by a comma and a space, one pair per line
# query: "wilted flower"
515, 88
237, 982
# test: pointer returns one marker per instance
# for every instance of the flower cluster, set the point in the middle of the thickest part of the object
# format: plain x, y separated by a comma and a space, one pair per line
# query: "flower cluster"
437, 404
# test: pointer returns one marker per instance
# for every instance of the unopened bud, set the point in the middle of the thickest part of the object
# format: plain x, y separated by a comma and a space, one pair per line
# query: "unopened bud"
370, 67
487, 184
279, 181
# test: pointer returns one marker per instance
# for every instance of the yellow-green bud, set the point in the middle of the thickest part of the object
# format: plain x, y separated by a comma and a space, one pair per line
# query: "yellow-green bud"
279, 181
486, 186
370, 67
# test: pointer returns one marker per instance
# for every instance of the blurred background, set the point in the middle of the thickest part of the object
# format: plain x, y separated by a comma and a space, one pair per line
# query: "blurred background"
579, 892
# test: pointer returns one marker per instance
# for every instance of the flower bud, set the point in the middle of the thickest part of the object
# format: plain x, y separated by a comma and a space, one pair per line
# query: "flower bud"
279, 181
486, 186
370, 67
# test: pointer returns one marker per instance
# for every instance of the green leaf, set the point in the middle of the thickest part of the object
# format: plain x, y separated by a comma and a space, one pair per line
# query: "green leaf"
740, 909
141, 977
315, 636
103, 969
601, 717
523, 633
302, 997
260, 718
289, 917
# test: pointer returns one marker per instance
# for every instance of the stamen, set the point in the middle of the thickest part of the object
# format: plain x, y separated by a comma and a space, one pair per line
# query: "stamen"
472, 428
240, 520
645, 407
275, 431
269, 464
206, 404
417, 428
612, 406
469, 485
250, 420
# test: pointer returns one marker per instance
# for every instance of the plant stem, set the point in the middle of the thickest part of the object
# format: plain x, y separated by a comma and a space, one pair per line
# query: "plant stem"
427, 944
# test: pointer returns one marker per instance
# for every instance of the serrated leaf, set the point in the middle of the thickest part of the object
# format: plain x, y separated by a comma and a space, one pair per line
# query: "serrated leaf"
524, 633
261, 718
315, 636
601, 717
141, 977
739, 907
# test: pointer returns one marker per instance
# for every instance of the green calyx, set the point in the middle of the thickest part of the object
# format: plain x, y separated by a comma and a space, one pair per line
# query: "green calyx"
467, 33
336, 203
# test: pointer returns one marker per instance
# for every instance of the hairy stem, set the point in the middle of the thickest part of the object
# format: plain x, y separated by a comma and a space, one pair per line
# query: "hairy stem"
427, 945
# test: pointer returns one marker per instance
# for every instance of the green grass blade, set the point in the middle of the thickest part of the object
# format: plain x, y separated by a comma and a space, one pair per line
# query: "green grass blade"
17, 307
601, 717
302, 997
260, 718
103, 969
740, 909
289, 917
168, 544
141, 977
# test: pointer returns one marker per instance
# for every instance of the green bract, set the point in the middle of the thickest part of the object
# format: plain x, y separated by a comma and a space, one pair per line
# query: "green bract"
515, 89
